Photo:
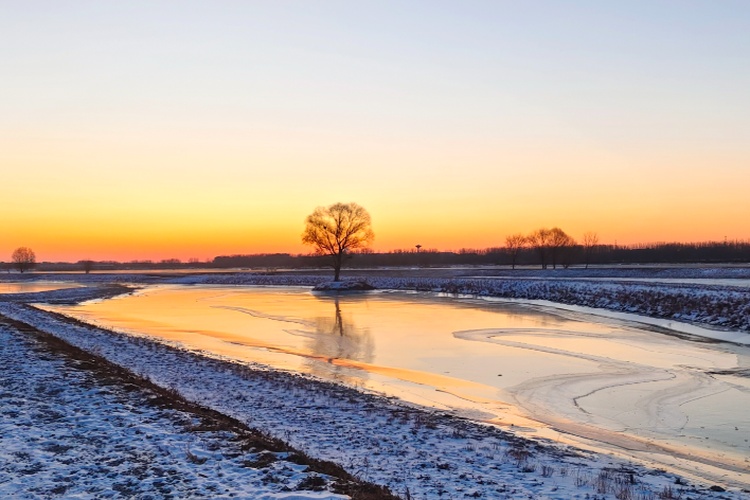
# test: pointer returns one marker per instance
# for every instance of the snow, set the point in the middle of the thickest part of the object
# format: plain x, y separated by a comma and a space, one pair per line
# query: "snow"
66, 433
415, 452
343, 286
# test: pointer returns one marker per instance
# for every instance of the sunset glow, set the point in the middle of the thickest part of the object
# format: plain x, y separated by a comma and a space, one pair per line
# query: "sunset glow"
195, 129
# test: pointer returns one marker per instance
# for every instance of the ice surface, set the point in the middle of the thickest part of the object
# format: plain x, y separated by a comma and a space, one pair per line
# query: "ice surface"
425, 453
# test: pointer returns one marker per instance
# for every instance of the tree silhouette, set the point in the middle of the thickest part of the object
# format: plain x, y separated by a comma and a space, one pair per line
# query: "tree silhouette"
590, 241
336, 230
515, 243
553, 245
88, 265
539, 240
23, 258
559, 244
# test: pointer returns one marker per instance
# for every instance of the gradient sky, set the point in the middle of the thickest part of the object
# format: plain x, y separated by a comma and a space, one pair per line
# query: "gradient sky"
150, 130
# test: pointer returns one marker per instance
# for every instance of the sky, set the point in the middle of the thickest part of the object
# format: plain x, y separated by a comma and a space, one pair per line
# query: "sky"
182, 129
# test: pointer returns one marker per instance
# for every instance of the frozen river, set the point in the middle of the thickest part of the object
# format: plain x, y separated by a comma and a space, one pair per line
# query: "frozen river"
597, 381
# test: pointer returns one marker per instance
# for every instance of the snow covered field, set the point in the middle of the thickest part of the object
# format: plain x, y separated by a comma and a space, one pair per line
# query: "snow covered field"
69, 431
417, 453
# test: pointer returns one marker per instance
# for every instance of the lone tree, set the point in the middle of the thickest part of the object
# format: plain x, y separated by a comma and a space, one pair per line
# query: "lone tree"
336, 230
23, 258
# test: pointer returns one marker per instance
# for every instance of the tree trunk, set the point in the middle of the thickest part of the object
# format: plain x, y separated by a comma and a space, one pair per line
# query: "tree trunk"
337, 260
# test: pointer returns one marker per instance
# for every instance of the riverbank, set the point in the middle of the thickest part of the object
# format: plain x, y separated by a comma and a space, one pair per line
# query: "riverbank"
415, 452
75, 425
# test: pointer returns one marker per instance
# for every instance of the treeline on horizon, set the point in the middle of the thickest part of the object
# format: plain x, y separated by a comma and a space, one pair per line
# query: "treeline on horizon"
575, 255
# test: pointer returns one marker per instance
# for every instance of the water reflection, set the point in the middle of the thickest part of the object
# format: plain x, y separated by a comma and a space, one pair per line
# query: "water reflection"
605, 380
337, 337
34, 286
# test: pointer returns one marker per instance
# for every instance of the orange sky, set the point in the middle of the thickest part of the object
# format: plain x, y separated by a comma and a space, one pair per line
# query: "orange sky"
144, 133
190, 214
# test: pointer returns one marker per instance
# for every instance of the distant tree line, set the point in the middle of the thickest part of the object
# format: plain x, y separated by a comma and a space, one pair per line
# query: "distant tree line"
89, 265
22, 259
587, 252
341, 233
546, 251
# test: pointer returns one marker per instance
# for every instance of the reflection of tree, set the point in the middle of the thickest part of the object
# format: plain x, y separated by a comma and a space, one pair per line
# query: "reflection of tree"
337, 339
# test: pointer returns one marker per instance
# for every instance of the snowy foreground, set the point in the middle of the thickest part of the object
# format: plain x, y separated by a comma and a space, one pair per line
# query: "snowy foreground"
67, 431
53, 419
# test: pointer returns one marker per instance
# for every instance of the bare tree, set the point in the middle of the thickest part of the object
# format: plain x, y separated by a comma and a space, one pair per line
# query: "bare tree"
88, 265
23, 258
539, 240
590, 241
559, 244
514, 243
337, 230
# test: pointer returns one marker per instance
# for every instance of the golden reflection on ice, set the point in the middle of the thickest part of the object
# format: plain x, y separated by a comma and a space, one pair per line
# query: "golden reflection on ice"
553, 373
34, 286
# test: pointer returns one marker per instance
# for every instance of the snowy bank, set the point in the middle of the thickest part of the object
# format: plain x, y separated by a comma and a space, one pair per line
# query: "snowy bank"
72, 429
415, 452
